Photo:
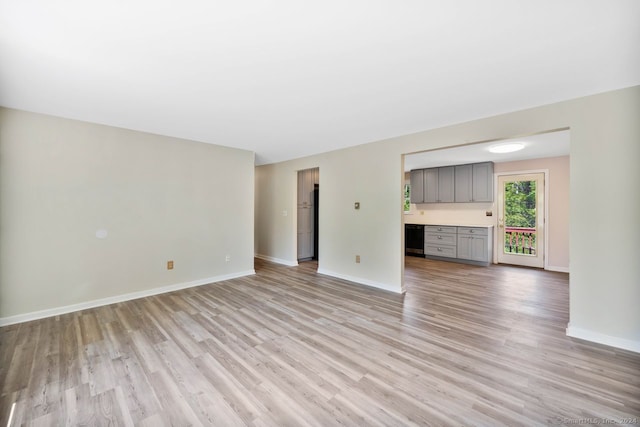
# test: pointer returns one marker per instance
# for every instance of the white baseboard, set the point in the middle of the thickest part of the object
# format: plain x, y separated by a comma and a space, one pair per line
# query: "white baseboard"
360, 280
277, 260
558, 269
35, 315
599, 338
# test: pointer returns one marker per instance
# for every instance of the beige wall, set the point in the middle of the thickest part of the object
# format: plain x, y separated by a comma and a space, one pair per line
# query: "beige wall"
605, 131
341, 185
159, 199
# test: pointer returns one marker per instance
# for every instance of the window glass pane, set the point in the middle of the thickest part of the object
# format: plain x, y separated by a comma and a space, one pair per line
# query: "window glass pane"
520, 217
407, 198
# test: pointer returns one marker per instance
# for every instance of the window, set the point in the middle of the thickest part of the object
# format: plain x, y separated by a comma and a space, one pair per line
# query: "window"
407, 198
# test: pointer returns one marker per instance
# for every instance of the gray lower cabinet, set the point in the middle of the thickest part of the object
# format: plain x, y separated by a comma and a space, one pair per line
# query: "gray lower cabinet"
474, 244
465, 244
440, 250
440, 240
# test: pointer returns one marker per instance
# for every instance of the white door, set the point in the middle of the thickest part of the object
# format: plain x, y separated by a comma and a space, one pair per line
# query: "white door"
521, 219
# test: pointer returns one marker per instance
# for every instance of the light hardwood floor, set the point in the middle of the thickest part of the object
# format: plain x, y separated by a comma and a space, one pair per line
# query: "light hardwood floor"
465, 345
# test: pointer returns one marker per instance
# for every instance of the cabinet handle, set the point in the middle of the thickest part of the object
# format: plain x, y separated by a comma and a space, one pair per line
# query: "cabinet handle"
440, 237
439, 249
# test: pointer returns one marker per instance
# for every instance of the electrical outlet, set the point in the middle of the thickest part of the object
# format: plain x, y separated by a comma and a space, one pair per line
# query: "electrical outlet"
227, 258
357, 259
169, 265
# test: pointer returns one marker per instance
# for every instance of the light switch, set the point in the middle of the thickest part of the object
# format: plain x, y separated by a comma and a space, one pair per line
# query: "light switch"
356, 205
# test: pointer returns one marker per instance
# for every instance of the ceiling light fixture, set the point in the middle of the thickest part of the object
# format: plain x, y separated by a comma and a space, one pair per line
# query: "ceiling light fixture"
506, 148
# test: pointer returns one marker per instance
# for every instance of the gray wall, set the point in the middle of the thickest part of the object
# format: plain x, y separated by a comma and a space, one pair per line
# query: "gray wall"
159, 199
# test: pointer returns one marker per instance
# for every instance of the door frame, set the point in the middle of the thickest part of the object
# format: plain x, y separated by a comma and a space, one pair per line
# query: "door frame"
295, 216
496, 232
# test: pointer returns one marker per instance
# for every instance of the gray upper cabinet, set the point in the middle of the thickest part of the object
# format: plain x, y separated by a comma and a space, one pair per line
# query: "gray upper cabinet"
460, 184
416, 189
483, 182
464, 183
431, 185
438, 185
474, 183
446, 184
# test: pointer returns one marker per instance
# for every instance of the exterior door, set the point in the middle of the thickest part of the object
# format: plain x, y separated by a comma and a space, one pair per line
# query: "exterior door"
521, 219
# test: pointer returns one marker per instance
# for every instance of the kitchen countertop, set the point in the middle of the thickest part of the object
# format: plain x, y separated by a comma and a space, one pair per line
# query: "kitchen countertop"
452, 225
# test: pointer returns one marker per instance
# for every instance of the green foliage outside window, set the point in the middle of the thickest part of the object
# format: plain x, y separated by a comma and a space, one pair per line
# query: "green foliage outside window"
407, 198
520, 204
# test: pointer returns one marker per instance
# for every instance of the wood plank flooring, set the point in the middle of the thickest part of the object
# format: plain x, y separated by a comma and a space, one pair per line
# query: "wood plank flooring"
465, 345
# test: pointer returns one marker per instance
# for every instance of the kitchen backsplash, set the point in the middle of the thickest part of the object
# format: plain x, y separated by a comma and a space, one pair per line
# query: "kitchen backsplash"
452, 213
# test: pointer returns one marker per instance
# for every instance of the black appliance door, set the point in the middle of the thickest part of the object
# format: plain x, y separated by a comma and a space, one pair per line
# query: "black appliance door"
414, 239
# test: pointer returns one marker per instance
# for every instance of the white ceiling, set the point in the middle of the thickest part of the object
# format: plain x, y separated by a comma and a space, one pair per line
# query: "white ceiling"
551, 144
291, 78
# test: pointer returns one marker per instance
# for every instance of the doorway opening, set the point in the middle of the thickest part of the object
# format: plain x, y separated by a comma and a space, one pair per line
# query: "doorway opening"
308, 214
535, 236
521, 219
